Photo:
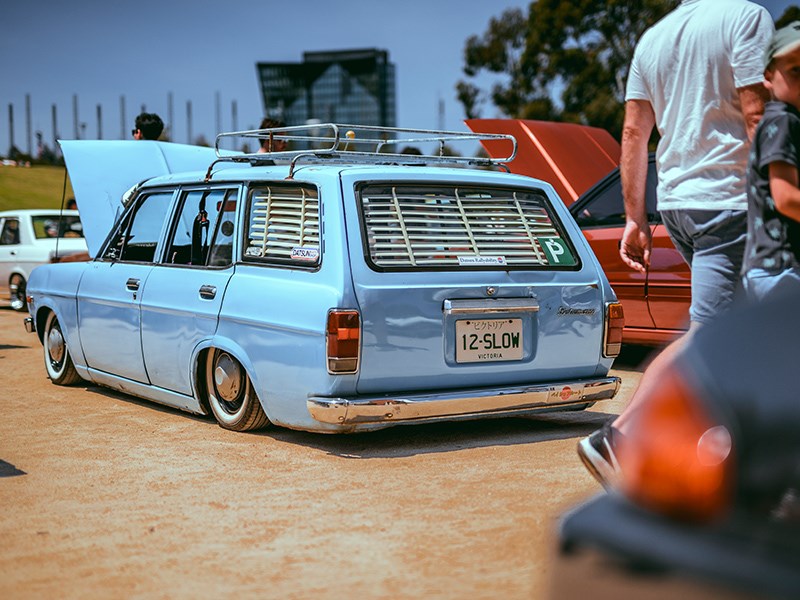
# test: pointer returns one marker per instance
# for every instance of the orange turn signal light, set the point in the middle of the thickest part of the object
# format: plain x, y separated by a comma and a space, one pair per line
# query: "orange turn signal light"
615, 322
674, 458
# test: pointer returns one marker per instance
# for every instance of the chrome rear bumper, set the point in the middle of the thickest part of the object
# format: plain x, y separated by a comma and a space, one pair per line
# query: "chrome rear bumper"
471, 403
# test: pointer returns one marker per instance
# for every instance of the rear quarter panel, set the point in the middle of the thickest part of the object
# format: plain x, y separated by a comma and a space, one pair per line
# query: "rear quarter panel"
273, 318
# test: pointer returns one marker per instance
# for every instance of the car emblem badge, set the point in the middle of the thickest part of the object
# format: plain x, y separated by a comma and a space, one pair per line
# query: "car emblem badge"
566, 311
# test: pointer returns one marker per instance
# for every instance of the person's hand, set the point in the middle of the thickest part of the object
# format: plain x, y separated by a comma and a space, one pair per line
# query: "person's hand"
635, 246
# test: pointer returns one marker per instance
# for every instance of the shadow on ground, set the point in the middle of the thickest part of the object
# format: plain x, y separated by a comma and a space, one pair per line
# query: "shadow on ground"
636, 357
9, 470
410, 440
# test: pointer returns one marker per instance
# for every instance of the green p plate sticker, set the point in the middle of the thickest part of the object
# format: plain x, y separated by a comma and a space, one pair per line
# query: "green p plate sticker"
557, 251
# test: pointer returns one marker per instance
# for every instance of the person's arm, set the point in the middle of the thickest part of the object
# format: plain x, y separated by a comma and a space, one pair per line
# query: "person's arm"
783, 186
752, 99
637, 239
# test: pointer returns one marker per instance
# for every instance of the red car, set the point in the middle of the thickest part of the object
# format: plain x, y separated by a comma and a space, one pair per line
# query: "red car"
582, 164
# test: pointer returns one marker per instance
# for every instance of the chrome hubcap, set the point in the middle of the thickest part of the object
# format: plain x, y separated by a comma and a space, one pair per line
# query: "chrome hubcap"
55, 345
227, 378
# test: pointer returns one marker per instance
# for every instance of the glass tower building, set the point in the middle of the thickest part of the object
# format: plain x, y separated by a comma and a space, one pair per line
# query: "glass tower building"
348, 86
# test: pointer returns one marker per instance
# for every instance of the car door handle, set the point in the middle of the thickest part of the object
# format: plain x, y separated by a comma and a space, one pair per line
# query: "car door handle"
208, 292
132, 284
13, 253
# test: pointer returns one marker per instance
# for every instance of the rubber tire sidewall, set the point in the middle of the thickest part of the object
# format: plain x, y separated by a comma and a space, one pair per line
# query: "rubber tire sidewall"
249, 416
66, 375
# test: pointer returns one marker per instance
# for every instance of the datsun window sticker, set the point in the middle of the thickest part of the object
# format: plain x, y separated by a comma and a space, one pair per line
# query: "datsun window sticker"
310, 254
489, 261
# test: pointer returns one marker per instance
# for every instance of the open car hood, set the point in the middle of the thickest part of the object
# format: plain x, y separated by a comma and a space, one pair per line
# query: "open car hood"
101, 171
570, 157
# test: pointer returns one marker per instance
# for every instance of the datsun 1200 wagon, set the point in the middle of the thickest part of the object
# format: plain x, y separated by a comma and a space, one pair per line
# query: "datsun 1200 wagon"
350, 286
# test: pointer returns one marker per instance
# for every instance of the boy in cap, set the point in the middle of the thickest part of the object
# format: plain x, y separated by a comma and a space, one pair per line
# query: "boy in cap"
772, 251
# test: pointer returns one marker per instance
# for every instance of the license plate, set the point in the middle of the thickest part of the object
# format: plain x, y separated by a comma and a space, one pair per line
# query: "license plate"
488, 340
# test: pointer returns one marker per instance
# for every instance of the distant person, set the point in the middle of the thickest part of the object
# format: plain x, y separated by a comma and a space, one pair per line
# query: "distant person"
697, 76
148, 127
772, 257
71, 204
271, 145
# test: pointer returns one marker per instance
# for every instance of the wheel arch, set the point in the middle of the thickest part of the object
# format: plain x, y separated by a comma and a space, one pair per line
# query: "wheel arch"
42, 313
231, 347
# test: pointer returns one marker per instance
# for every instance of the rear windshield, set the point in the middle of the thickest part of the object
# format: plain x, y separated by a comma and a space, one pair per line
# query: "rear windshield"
412, 226
52, 226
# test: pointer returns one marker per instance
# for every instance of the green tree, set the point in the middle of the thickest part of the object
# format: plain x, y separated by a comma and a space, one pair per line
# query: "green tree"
564, 61
792, 13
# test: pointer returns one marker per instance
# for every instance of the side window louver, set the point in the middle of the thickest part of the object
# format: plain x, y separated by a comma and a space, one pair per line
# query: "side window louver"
283, 225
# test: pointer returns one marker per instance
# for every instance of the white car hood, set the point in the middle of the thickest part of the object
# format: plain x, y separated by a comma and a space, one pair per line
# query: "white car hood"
101, 171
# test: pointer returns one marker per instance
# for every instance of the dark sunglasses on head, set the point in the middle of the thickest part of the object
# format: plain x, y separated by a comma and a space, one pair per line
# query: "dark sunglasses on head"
133, 131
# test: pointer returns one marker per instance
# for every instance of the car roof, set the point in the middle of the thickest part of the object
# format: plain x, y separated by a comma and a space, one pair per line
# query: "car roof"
317, 172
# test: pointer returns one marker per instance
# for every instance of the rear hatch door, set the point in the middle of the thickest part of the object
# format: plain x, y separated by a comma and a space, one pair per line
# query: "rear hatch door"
467, 279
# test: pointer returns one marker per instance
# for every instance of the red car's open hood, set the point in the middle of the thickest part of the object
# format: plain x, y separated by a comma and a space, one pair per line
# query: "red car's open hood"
570, 157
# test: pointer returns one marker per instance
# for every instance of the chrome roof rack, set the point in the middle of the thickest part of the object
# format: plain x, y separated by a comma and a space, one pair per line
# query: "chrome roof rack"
365, 144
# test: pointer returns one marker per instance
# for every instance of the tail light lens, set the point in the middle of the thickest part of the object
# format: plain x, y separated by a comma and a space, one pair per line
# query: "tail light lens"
343, 341
674, 458
615, 321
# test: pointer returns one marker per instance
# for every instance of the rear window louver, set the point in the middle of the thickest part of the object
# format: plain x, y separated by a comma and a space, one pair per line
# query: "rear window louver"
284, 225
414, 226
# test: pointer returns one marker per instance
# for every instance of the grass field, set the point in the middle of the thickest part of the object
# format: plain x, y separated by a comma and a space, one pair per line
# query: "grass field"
32, 187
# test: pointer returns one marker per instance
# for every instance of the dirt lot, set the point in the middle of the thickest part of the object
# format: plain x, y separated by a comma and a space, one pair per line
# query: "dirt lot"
107, 496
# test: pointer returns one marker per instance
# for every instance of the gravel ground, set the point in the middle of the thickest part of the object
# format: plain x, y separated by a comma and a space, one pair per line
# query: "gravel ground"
108, 496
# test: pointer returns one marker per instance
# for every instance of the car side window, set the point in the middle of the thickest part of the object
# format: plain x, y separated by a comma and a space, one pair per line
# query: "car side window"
606, 207
197, 235
10, 234
221, 254
283, 225
137, 237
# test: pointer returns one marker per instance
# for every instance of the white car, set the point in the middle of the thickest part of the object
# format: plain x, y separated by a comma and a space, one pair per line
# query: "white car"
31, 237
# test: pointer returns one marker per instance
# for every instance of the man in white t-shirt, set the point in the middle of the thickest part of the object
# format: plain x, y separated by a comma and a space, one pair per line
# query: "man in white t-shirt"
696, 76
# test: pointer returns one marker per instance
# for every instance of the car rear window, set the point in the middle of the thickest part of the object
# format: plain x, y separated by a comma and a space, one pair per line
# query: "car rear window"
411, 226
283, 225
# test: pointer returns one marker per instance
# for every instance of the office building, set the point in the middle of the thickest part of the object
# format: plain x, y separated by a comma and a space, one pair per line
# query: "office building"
348, 86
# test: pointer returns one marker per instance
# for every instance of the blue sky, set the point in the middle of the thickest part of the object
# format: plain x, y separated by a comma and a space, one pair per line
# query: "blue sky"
198, 49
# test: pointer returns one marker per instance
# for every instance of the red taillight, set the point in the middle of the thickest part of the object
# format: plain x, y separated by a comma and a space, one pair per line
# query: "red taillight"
615, 321
343, 337
674, 458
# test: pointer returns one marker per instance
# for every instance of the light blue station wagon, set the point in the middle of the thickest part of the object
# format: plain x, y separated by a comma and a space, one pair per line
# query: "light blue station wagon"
349, 287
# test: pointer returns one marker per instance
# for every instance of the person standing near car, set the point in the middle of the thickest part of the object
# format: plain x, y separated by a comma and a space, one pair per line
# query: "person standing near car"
148, 126
772, 257
696, 76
